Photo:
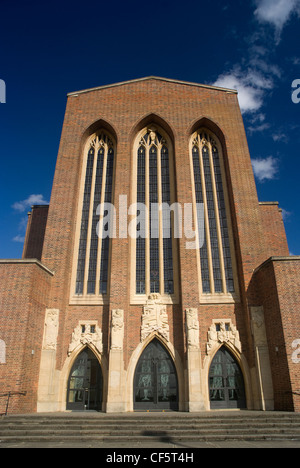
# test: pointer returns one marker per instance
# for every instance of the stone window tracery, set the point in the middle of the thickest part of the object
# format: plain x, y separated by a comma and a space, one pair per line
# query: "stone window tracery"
217, 276
154, 248
93, 249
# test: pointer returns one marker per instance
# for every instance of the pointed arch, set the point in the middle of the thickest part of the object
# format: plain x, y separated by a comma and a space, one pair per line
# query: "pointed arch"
91, 261
85, 382
242, 363
151, 119
135, 357
155, 379
226, 381
211, 125
67, 369
100, 124
216, 257
154, 263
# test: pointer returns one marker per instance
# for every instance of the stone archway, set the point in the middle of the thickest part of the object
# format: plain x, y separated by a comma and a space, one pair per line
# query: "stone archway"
85, 383
155, 380
226, 382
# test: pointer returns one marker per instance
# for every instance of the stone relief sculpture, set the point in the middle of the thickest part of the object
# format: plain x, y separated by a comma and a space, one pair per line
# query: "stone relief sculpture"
223, 331
117, 329
86, 333
258, 326
154, 318
51, 329
192, 325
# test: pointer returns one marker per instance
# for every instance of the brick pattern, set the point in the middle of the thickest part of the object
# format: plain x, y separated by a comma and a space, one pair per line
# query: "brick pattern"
24, 292
36, 226
274, 231
123, 110
278, 284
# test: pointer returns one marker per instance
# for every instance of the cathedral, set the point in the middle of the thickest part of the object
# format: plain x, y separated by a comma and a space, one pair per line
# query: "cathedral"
155, 280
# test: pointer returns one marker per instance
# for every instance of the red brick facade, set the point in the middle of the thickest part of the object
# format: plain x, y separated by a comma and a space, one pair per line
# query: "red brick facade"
278, 284
258, 234
35, 233
24, 292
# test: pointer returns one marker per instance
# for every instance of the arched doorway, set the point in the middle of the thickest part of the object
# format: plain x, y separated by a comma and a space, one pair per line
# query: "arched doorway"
226, 382
85, 383
155, 380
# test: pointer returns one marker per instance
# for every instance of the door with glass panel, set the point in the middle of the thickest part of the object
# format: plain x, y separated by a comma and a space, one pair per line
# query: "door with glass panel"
85, 383
226, 383
155, 381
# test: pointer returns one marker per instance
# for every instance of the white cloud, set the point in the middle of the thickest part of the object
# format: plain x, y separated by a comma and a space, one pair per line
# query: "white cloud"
31, 200
276, 12
250, 84
260, 128
285, 214
265, 168
258, 118
20, 239
280, 136
258, 76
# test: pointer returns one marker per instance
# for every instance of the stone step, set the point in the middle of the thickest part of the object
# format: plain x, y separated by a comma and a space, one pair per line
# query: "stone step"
134, 427
130, 432
111, 420
113, 427
153, 438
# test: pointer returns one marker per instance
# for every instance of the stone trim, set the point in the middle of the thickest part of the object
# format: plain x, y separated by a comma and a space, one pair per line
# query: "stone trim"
28, 261
187, 83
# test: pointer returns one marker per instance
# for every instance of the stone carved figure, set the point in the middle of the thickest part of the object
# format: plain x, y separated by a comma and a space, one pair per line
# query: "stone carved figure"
225, 333
258, 326
117, 329
192, 325
51, 329
154, 318
86, 333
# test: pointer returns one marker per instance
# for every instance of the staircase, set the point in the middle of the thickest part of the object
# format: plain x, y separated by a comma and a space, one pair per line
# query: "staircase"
150, 427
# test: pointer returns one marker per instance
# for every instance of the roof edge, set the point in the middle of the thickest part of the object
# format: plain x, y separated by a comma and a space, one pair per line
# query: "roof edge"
26, 261
277, 259
187, 83
268, 203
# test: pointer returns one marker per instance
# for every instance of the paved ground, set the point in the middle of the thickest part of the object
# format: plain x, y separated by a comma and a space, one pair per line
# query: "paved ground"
162, 446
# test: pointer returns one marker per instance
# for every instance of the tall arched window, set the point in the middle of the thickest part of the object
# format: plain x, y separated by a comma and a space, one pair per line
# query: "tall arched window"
93, 249
216, 259
154, 266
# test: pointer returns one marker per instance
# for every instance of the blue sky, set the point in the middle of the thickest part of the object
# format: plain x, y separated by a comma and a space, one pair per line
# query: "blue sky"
50, 49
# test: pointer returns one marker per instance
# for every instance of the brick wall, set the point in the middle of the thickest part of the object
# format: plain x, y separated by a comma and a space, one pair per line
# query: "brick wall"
34, 239
123, 110
24, 291
278, 284
274, 231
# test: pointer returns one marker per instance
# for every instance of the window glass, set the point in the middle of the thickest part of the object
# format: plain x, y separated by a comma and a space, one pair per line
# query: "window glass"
93, 252
215, 253
153, 179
